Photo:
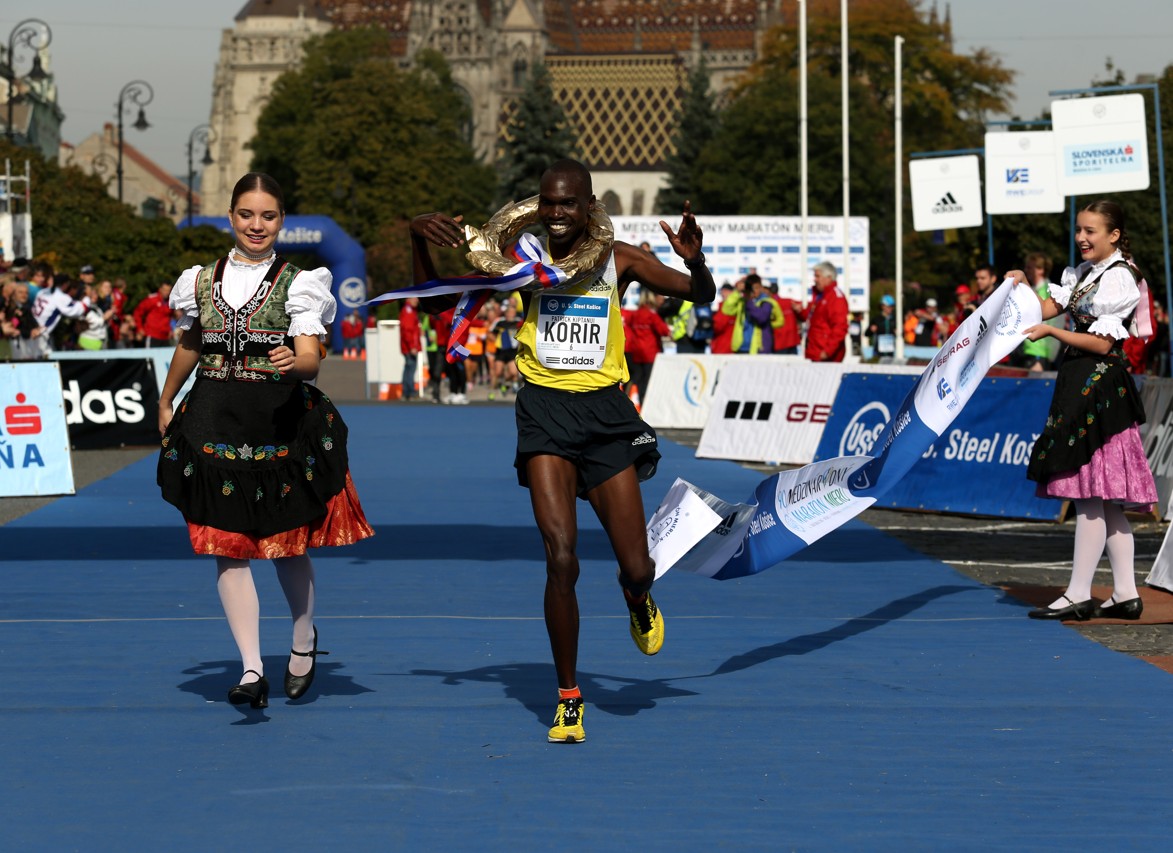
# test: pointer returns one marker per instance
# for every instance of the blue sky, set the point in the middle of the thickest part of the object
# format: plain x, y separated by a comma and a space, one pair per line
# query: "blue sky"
173, 45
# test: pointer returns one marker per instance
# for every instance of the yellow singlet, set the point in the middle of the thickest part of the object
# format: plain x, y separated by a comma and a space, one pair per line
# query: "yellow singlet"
572, 336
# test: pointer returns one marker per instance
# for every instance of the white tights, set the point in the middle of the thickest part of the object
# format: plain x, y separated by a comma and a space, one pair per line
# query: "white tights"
1100, 524
238, 594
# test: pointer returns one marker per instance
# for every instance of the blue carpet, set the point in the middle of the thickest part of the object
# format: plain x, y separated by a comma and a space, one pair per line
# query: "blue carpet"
860, 696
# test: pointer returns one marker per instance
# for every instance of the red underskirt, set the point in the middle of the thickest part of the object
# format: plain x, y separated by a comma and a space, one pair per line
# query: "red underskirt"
343, 524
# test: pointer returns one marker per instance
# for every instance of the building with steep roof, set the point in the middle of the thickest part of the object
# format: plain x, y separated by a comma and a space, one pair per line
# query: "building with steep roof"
146, 186
617, 67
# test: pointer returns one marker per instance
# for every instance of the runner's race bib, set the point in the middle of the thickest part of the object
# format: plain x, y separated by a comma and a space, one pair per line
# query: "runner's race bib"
572, 331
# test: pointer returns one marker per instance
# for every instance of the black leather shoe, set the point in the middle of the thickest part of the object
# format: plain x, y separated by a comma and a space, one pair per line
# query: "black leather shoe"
1080, 612
1129, 610
297, 685
255, 693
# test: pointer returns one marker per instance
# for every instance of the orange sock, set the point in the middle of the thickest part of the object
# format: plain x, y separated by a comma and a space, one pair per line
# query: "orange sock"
571, 693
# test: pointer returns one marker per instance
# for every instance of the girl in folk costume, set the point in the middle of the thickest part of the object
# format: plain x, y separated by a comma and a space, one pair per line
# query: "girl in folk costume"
1090, 450
255, 456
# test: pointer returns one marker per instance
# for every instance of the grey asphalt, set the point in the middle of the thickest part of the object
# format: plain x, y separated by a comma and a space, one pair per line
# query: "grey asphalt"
998, 552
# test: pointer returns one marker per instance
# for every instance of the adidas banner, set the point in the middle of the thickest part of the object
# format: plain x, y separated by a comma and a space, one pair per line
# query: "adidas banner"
946, 192
696, 531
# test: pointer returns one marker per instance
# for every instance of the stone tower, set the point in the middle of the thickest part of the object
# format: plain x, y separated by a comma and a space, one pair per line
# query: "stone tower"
266, 42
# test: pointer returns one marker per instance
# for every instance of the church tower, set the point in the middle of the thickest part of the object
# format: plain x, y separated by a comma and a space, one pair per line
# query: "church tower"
266, 41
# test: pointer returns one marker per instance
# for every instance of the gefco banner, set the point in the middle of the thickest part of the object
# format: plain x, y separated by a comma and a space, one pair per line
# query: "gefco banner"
34, 441
695, 531
1103, 144
977, 466
682, 389
946, 192
771, 246
1022, 173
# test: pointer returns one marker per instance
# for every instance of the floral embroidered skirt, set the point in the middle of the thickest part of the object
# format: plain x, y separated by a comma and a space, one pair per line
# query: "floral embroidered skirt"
1090, 446
260, 470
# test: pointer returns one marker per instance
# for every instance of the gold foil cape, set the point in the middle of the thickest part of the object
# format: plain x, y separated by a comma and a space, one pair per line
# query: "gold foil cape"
485, 244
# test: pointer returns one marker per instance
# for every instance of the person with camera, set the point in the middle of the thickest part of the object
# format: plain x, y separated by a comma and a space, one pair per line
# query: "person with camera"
756, 316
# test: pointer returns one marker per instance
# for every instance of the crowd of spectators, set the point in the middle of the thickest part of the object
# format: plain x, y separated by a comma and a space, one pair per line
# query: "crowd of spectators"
43, 311
926, 326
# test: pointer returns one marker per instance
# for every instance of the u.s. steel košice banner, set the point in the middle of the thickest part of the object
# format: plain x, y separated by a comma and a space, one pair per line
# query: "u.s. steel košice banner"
696, 531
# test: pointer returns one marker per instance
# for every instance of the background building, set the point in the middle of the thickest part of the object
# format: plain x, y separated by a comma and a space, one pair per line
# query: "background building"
617, 68
32, 103
146, 186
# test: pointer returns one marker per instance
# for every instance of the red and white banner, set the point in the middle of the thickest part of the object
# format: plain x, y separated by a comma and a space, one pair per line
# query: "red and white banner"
34, 441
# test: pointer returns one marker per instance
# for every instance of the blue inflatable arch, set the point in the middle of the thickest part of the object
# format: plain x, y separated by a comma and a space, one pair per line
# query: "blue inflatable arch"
338, 251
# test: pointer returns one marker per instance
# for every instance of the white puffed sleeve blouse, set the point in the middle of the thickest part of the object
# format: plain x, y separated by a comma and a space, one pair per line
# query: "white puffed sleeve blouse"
310, 306
1114, 300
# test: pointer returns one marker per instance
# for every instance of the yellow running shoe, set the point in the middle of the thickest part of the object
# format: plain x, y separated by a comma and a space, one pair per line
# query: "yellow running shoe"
568, 722
647, 626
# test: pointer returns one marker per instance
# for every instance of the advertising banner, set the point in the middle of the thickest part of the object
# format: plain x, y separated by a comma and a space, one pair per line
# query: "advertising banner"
1157, 396
1022, 173
161, 356
34, 441
110, 402
794, 508
1103, 144
682, 388
771, 246
772, 408
946, 192
976, 467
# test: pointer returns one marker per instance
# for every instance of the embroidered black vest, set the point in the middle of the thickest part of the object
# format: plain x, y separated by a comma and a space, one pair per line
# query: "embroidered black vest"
1084, 291
236, 342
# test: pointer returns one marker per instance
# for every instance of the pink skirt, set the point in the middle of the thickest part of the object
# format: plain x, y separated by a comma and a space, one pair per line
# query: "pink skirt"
1117, 472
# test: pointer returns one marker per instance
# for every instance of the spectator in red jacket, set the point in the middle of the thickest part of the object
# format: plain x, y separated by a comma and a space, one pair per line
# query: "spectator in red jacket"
644, 329
409, 345
788, 336
353, 334
153, 317
827, 334
723, 326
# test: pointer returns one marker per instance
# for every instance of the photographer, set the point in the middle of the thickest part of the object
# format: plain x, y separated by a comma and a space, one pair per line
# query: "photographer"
755, 314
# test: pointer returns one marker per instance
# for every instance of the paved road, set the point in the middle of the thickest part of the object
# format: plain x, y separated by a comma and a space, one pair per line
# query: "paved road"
998, 552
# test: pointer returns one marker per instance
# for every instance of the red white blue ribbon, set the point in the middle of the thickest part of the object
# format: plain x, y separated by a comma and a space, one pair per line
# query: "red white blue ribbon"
532, 272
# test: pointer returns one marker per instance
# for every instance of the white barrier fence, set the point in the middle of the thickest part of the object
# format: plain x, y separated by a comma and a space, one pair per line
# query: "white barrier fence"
768, 409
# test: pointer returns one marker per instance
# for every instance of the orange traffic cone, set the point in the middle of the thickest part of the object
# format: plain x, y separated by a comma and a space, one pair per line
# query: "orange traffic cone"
633, 395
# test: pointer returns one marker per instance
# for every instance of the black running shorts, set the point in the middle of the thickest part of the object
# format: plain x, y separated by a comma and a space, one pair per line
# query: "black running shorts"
599, 431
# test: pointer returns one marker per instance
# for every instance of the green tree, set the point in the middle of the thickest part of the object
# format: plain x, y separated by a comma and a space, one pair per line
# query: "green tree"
751, 164
379, 146
696, 124
538, 134
76, 222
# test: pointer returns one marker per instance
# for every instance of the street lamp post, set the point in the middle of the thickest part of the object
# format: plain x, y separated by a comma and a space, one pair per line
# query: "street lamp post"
32, 33
136, 92
205, 136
